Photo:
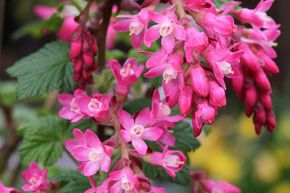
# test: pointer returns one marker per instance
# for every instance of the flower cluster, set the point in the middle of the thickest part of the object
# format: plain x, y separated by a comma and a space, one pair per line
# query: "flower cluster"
200, 48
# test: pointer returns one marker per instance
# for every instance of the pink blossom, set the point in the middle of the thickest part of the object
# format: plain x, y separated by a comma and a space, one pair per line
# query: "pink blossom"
96, 106
195, 43
4, 189
35, 179
44, 12
126, 75
171, 160
123, 180
185, 100
217, 95
168, 27
204, 114
224, 63
90, 152
199, 81
161, 112
136, 24
71, 110
213, 186
257, 17
137, 130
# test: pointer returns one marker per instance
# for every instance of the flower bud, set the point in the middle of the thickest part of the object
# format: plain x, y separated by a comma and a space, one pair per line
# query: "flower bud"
199, 81
217, 96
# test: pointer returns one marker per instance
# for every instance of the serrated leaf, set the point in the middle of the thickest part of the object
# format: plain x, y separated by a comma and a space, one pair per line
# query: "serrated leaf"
72, 182
185, 140
43, 71
153, 172
43, 140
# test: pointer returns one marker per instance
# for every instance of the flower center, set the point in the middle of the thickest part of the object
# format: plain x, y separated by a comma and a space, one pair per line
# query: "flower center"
226, 67
166, 28
127, 71
164, 109
95, 155
135, 28
94, 106
169, 74
126, 185
172, 161
35, 180
73, 106
137, 131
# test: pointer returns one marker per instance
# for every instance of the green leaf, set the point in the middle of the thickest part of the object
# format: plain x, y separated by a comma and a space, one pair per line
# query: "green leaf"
43, 140
32, 29
115, 54
156, 82
136, 105
43, 71
72, 182
185, 140
153, 172
218, 3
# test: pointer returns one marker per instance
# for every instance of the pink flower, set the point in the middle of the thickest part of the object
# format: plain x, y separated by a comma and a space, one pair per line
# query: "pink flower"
68, 13
217, 95
257, 17
96, 106
185, 100
123, 180
71, 110
136, 24
126, 75
161, 111
4, 189
195, 43
212, 187
167, 27
171, 160
89, 150
35, 179
224, 63
199, 81
137, 130
204, 114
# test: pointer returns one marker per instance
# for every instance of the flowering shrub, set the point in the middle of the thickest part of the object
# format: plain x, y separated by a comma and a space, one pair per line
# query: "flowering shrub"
184, 54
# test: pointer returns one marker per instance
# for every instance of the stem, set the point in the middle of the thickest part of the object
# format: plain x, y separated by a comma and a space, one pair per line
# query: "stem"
106, 12
92, 181
179, 7
124, 147
77, 4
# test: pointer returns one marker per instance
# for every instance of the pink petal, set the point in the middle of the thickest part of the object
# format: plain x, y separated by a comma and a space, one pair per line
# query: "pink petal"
140, 146
137, 40
125, 135
126, 119
143, 117
122, 26
155, 71
151, 35
152, 133
92, 139
105, 165
80, 153
167, 42
44, 12
79, 135
90, 168
180, 32
64, 98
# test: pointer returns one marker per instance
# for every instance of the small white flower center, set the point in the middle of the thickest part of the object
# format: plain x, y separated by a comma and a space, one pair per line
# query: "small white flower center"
164, 109
126, 71
137, 131
169, 74
35, 180
166, 28
126, 185
172, 161
226, 67
95, 155
135, 28
73, 106
94, 106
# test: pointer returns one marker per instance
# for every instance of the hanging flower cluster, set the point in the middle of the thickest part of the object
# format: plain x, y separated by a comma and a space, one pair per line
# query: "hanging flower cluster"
201, 48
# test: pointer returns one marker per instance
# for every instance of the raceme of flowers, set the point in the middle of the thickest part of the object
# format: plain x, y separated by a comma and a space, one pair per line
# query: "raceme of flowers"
201, 48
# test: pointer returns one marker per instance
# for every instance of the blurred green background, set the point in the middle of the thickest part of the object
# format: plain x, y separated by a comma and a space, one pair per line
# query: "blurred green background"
232, 151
